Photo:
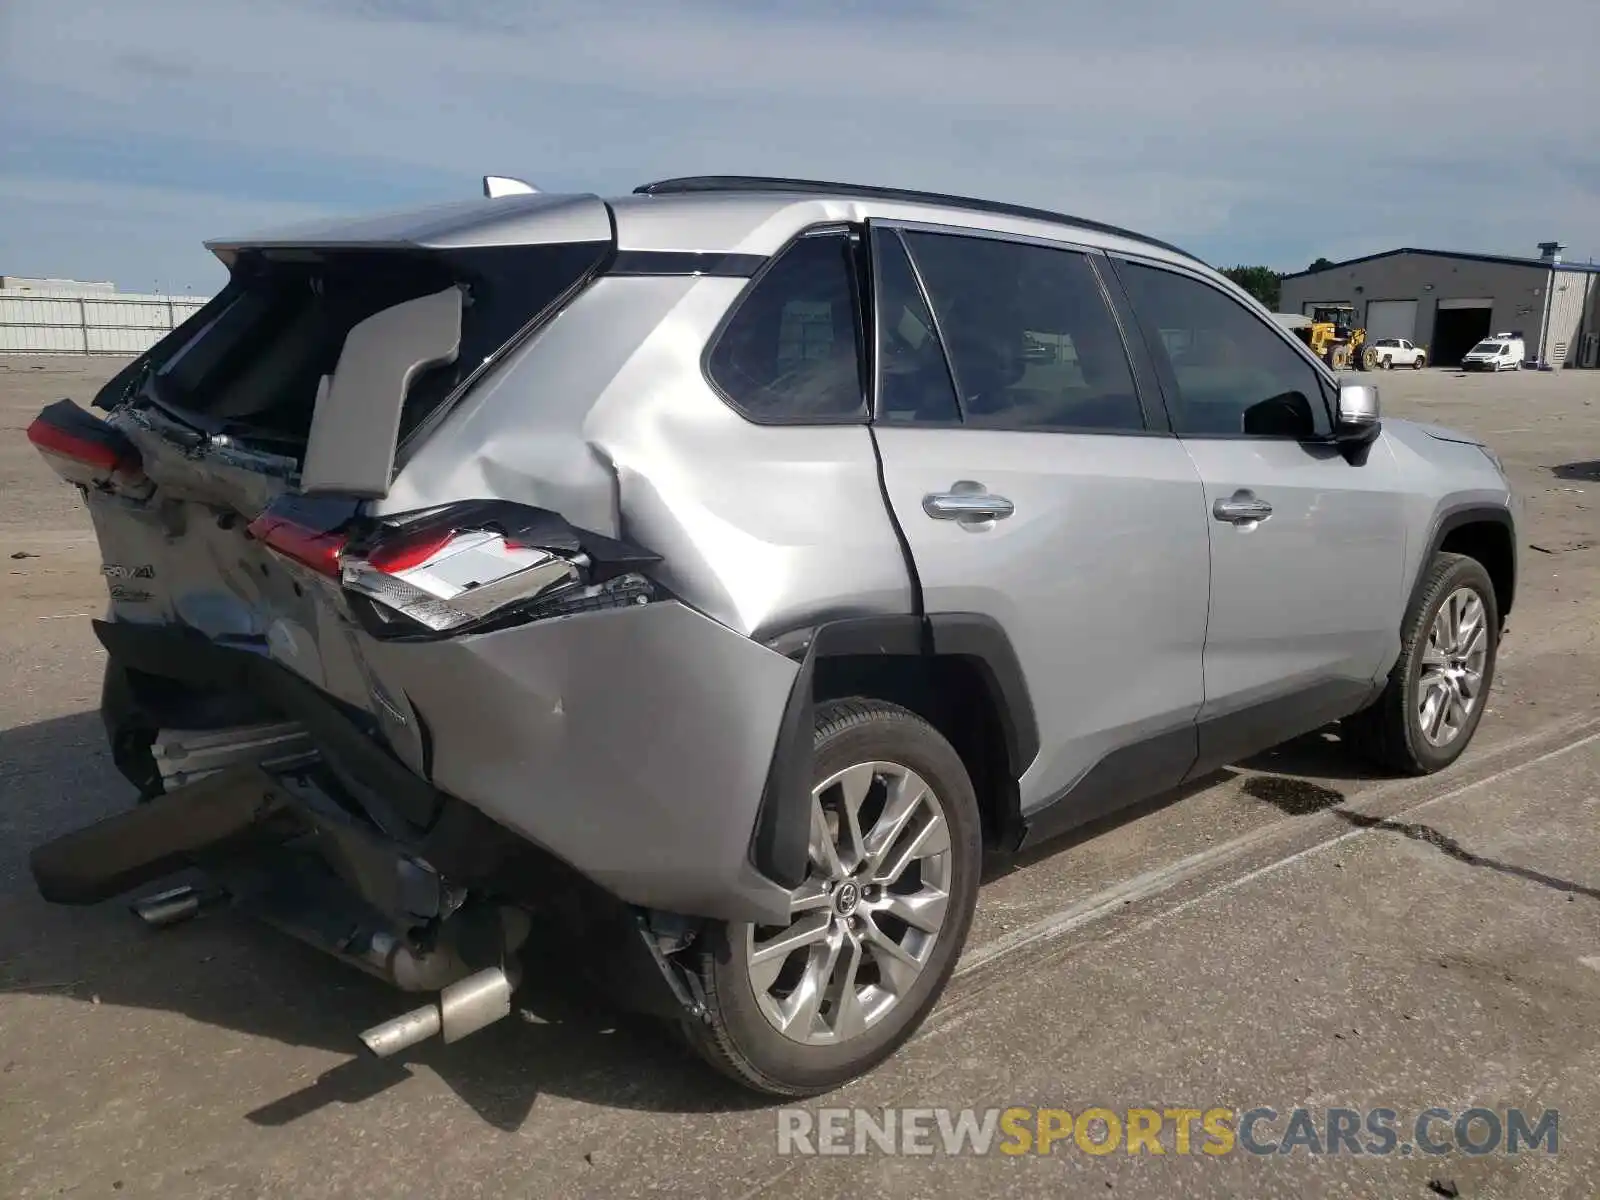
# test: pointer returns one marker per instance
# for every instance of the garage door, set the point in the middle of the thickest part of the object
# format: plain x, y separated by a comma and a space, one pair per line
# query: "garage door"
1391, 319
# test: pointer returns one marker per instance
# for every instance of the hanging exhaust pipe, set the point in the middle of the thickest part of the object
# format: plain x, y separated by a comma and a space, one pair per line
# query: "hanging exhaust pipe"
463, 1008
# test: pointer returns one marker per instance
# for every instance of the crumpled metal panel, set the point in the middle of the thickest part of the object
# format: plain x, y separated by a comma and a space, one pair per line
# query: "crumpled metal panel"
632, 743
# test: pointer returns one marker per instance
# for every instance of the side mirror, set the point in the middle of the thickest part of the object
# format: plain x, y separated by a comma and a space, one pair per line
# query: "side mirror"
1358, 420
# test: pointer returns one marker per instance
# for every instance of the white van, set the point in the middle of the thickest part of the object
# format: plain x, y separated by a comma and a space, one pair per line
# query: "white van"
1502, 352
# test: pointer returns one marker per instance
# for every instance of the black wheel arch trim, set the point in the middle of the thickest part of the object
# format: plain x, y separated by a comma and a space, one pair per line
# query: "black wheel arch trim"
782, 828
1448, 522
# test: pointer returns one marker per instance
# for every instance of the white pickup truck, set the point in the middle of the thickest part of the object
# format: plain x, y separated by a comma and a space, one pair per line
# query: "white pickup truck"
1400, 352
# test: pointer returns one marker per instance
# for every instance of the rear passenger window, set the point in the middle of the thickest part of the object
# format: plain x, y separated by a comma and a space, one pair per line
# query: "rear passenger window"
1231, 373
1031, 341
789, 353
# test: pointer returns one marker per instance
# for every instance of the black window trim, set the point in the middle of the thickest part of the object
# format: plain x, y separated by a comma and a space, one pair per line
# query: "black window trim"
1329, 384
874, 228
1149, 405
630, 263
863, 416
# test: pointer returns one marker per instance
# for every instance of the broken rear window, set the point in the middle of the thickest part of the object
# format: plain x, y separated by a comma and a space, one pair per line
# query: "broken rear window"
254, 360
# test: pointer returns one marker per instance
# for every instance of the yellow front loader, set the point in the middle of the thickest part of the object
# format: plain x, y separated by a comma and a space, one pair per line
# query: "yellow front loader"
1334, 338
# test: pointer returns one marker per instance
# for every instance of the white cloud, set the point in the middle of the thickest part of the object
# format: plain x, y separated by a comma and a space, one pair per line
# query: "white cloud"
1247, 127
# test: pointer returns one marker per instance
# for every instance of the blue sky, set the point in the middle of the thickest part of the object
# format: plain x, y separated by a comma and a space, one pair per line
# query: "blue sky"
1246, 130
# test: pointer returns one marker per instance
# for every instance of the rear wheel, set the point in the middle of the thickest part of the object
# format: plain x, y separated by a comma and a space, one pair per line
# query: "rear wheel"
1437, 691
875, 929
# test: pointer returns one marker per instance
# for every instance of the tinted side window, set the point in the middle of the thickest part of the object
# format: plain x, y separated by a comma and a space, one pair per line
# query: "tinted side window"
914, 382
789, 353
1031, 341
1232, 374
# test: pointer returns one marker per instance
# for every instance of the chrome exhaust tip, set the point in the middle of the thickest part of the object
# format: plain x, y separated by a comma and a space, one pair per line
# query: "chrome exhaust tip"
402, 1032
169, 907
463, 1008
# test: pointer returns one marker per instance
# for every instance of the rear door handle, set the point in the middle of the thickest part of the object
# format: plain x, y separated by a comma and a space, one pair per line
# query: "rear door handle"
1241, 507
968, 502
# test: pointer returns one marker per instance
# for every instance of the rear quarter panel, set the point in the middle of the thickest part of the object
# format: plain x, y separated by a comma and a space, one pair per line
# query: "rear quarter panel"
607, 418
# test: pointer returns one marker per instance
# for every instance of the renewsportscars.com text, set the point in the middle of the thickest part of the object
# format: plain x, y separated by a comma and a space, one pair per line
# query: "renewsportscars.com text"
1205, 1132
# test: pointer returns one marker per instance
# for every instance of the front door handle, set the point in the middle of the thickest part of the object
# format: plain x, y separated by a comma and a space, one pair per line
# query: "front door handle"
967, 502
1241, 508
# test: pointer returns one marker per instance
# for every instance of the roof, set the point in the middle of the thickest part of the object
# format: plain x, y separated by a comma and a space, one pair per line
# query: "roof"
1509, 259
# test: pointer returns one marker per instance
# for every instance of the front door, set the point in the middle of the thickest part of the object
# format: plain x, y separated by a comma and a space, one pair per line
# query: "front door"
1307, 547
1031, 489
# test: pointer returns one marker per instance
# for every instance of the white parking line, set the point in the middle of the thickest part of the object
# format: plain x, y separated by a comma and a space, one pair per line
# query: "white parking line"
1164, 879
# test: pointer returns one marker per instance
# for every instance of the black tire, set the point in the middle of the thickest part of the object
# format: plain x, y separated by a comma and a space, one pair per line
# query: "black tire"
1388, 363
1389, 732
1419, 362
737, 1038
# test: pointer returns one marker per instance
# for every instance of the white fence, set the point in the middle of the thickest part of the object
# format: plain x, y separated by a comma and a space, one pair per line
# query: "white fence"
121, 324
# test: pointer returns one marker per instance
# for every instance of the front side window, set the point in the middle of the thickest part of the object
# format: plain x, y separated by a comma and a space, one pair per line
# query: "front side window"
1031, 341
1226, 371
790, 351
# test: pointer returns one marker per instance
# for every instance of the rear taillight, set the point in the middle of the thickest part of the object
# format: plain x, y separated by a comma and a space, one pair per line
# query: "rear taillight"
472, 575
310, 531
473, 565
86, 451
316, 550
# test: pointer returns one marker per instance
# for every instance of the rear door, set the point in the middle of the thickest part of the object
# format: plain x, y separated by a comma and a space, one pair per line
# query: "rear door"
1307, 547
1034, 488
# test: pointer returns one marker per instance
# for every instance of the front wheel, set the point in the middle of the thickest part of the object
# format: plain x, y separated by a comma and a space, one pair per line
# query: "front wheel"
876, 927
1418, 362
1439, 687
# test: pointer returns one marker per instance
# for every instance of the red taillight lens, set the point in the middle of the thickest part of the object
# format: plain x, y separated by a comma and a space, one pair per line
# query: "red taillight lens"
86, 450
53, 440
318, 550
403, 554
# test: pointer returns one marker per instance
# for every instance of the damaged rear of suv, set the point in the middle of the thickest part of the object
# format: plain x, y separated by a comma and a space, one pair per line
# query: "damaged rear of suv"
621, 570
388, 660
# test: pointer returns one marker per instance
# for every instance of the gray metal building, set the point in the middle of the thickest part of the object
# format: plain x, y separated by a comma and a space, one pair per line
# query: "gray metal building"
1447, 302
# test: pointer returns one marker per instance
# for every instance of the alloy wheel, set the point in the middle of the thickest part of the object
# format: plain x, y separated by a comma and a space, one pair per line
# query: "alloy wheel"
1451, 683
864, 923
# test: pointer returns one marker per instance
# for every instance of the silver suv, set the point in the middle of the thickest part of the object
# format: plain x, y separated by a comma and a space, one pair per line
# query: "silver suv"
711, 575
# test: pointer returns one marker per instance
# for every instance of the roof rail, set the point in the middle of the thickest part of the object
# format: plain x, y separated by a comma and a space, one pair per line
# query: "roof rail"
761, 183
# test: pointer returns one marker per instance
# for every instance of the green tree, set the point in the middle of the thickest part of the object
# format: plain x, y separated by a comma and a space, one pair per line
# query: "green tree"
1322, 264
1260, 282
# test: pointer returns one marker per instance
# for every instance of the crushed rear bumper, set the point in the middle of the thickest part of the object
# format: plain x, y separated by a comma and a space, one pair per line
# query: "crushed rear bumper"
633, 745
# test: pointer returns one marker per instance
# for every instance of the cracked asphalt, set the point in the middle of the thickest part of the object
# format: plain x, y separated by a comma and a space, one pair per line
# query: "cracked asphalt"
1296, 932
